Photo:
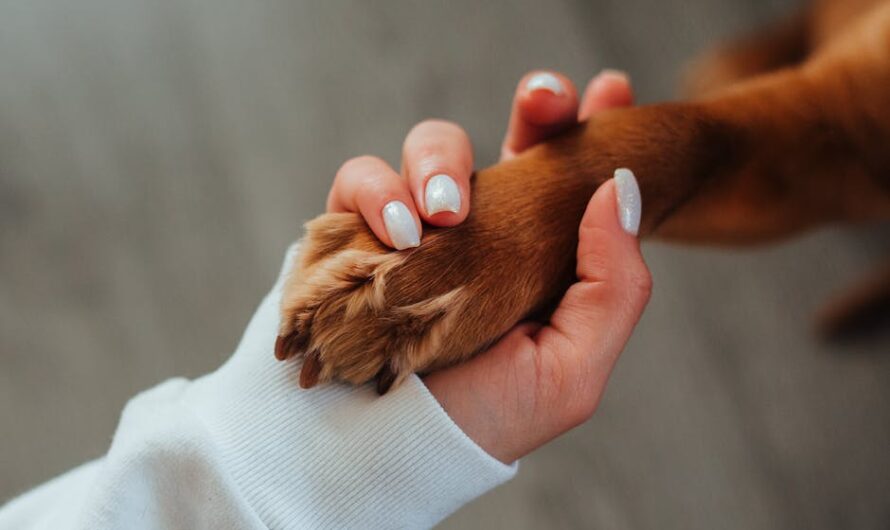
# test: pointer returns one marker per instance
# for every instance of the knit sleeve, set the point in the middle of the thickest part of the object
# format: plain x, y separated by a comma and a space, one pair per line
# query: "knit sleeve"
245, 447
336, 456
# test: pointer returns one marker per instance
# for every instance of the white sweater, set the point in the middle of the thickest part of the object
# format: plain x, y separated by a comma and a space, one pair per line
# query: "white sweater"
245, 447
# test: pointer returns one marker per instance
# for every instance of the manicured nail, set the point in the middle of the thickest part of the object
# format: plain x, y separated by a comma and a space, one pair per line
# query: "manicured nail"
630, 204
442, 195
400, 225
614, 74
545, 81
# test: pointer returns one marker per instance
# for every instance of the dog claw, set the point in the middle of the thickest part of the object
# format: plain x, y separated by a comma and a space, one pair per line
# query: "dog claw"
311, 370
339, 317
385, 379
286, 346
281, 348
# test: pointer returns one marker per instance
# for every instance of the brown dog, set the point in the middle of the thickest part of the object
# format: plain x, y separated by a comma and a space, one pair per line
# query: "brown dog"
786, 131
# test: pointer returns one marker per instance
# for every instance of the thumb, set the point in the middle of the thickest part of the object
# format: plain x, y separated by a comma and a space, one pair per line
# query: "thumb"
535, 384
596, 316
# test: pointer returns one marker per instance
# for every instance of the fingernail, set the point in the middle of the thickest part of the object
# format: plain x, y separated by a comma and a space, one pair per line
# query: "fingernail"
442, 195
400, 225
619, 74
545, 81
630, 204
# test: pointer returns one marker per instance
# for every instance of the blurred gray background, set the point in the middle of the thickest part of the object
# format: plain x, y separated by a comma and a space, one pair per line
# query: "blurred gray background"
158, 156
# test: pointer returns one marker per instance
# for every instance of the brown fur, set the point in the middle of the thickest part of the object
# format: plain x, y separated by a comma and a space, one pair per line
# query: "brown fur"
789, 130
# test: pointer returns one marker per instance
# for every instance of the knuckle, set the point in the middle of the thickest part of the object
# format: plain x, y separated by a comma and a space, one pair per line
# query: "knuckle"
438, 125
438, 146
358, 162
433, 137
429, 154
418, 131
361, 176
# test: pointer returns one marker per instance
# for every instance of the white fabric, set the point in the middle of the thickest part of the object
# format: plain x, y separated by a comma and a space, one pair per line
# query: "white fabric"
245, 447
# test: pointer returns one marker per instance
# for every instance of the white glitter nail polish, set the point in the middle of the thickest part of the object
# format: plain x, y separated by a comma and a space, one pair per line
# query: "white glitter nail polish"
630, 203
400, 225
545, 81
442, 195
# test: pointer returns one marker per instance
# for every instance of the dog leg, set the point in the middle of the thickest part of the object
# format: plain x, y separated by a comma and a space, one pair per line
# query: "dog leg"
357, 311
761, 160
782, 44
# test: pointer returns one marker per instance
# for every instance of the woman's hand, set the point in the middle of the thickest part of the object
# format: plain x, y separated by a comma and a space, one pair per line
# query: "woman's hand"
433, 184
537, 382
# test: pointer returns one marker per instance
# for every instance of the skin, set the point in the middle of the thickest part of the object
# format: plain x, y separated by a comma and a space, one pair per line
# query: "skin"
537, 382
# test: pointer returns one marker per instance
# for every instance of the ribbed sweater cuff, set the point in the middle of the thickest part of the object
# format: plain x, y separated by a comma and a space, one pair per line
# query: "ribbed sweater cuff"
336, 456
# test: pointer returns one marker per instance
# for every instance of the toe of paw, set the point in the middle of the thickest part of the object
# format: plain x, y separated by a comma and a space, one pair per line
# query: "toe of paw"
289, 345
310, 372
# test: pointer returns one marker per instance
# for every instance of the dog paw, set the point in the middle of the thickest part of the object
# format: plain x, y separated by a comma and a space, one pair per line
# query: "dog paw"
356, 310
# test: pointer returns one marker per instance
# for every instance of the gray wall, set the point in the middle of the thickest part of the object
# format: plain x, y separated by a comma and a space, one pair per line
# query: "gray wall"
156, 158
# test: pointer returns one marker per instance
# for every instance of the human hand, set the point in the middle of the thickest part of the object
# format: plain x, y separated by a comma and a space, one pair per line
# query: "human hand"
433, 184
537, 382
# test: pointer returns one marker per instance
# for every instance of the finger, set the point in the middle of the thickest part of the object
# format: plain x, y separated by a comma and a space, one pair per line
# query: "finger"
437, 160
535, 384
609, 89
367, 185
596, 316
545, 104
